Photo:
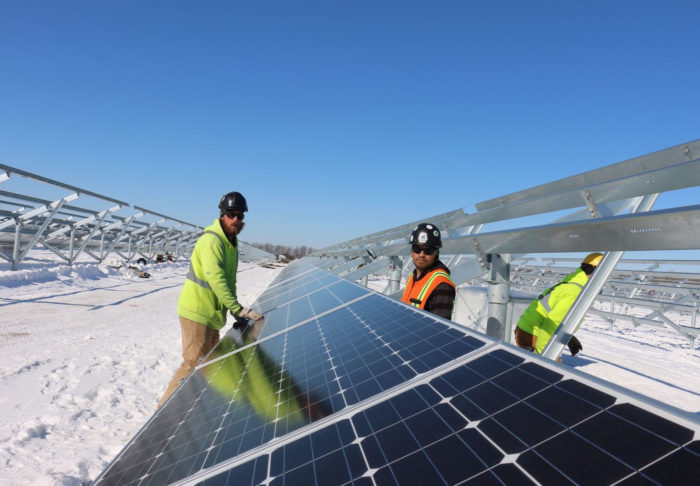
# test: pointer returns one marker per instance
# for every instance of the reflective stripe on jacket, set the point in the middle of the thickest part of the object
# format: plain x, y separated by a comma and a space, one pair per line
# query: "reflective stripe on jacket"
418, 292
545, 313
209, 290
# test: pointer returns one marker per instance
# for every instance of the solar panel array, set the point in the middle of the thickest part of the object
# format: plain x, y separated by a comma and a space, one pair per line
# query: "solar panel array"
345, 386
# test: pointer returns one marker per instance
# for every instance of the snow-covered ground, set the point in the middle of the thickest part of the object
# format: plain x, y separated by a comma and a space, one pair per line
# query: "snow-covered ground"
87, 352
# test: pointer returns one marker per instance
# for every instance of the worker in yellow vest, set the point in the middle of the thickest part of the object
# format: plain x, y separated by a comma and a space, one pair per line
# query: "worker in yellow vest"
209, 291
544, 314
429, 287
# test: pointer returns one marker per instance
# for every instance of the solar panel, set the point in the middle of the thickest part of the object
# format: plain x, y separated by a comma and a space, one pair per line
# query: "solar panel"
292, 290
291, 309
498, 419
348, 386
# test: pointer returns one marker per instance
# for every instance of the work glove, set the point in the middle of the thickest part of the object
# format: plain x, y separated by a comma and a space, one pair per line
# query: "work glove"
574, 345
246, 317
250, 314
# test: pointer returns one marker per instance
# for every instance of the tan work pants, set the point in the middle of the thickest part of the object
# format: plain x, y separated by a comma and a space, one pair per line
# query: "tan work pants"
197, 341
525, 340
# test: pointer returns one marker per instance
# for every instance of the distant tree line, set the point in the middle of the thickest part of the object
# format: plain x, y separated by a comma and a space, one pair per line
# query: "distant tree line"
288, 251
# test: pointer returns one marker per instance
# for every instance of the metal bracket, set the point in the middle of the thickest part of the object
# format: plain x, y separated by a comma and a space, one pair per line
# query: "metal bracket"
688, 153
590, 203
480, 255
475, 229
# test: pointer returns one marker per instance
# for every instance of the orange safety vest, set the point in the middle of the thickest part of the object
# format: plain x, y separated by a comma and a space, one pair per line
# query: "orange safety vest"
418, 295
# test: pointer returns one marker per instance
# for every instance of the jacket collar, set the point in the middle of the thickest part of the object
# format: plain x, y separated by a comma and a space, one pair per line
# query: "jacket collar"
438, 265
216, 227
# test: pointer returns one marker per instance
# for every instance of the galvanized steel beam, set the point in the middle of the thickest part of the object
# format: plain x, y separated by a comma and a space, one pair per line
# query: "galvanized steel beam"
637, 165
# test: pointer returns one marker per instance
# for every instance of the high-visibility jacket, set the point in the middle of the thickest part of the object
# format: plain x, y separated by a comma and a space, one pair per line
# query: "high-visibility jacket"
545, 313
209, 290
417, 292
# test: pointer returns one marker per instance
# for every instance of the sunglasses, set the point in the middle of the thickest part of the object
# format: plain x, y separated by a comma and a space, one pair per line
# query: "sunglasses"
235, 214
417, 249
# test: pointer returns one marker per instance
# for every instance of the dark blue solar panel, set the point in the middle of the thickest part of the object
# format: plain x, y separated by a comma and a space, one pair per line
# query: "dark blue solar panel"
448, 432
289, 278
680, 467
355, 396
248, 396
294, 290
249, 474
317, 302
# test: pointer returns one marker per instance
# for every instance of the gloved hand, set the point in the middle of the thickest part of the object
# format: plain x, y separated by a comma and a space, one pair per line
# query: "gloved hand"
574, 345
245, 318
250, 314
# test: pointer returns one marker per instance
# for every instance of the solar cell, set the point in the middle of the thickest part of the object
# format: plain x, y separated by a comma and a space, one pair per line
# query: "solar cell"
347, 386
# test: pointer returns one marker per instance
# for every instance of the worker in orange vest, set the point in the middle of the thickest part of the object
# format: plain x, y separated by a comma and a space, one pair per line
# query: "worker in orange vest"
429, 287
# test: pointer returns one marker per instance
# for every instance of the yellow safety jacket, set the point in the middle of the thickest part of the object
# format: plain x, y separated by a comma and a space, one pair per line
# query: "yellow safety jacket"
209, 290
545, 313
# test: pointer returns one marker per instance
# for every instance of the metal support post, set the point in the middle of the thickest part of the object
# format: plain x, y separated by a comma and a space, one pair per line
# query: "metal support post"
498, 296
70, 246
395, 268
693, 321
611, 319
102, 247
365, 279
16, 249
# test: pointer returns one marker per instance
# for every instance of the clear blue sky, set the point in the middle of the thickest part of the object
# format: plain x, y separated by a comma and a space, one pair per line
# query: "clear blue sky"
339, 118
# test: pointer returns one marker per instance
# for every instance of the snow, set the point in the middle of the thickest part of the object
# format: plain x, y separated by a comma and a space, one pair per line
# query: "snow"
88, 351
659, 363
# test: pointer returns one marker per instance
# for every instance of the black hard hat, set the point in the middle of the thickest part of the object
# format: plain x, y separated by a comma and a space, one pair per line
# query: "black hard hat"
426, 234
233, 201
